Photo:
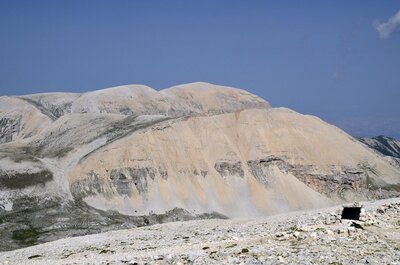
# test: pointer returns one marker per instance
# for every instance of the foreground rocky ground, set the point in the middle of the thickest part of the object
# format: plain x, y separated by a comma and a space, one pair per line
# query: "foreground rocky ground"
309, 237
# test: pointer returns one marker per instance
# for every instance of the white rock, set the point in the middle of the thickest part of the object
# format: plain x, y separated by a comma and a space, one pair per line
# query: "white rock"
329, 232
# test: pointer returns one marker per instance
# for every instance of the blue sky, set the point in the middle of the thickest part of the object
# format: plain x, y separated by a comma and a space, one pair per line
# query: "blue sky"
333, 59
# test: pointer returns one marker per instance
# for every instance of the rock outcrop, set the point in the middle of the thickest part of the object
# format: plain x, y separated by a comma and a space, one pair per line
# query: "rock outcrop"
198, 147
20, 120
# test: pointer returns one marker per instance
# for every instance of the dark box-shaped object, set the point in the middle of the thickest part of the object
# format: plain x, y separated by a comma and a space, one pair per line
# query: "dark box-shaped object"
351, 213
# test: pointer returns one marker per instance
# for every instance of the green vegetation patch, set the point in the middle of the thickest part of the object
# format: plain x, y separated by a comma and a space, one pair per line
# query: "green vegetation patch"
23, 180
27, 236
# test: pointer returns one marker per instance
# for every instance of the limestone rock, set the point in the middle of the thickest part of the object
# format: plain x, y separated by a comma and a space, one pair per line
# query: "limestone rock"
203, 148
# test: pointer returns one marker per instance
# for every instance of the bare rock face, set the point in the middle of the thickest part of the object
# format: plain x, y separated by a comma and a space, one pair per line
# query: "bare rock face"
132, 151
53, 105
387, 147
20, 120
251, 162
10, 127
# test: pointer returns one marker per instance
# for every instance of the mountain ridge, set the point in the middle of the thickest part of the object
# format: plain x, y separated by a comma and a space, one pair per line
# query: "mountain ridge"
209, 150
385, 145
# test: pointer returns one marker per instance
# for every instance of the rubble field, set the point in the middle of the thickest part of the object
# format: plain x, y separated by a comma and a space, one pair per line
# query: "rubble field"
304, 237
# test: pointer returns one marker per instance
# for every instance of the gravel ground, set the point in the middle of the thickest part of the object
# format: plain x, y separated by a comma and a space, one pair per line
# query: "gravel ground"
307, 237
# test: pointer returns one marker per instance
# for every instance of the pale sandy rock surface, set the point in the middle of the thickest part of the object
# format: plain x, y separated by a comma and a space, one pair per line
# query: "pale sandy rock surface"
187, 99
274, 160
293, 238
130, 155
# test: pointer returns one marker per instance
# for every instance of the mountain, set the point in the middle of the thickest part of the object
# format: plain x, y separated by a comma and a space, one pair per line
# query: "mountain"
385, 146
73, 164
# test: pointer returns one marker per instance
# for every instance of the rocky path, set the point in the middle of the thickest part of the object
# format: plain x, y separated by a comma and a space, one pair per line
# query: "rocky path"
308, 237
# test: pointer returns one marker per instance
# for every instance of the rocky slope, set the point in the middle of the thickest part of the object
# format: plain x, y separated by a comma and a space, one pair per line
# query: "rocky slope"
125, 154
385, 146
274, 160
308, 237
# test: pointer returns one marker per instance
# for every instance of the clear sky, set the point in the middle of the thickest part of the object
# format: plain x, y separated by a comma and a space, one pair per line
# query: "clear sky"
339, 60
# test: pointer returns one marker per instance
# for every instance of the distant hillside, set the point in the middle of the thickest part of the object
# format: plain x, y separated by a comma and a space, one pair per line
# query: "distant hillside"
387, 146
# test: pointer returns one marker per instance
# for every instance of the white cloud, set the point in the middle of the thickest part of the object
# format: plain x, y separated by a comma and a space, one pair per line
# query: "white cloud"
387, 28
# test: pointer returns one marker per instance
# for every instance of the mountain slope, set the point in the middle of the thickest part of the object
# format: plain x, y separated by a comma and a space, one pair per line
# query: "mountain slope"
183, 100
244, 163
387, 146
199, 147
19, 119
